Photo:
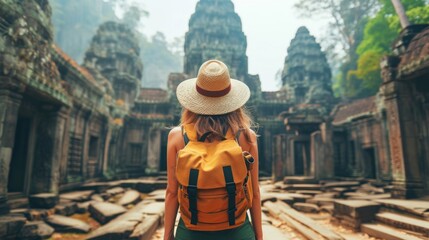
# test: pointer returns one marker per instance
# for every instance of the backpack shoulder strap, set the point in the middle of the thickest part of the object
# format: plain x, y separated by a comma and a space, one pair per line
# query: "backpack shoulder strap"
185, 136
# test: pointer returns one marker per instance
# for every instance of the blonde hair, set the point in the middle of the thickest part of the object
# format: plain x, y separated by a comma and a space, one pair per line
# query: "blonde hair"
218, 125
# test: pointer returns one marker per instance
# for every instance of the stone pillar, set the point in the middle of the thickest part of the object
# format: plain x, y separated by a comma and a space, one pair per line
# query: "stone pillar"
279, 157
328, 148
403, 135
48, 151
9, 106
154, 150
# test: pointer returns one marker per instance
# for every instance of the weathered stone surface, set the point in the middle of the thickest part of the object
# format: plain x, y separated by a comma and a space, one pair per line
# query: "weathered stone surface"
43, 200
103, 212
10, 225
306, 207
296, 187
356, 208
384, 232
125, 225
416, 207
270, 232
309, 192
77, 196
158, 195
405, 222
115, 191
35, 231
97, 198
83, 207
300, 180
146, 228
343, 184
322, 201
67, 224
66, 208
130, 197
153, 208
149, 185
98, 187
306, 73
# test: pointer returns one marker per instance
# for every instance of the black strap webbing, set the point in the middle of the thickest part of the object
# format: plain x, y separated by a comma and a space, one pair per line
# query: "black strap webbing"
204, 137
230, 188
192, 195
237, 136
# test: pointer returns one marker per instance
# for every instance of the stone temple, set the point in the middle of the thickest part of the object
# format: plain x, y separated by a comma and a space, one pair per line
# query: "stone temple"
66, 126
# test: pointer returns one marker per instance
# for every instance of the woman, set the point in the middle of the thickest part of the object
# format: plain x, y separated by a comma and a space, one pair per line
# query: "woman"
212, 102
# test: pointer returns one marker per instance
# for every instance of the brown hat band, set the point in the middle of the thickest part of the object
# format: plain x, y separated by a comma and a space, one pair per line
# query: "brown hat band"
219, 93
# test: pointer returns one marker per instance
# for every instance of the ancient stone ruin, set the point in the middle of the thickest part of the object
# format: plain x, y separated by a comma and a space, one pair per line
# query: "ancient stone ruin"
83, 147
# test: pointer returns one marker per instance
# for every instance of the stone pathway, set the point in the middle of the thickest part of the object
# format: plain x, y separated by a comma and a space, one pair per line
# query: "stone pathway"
296, 208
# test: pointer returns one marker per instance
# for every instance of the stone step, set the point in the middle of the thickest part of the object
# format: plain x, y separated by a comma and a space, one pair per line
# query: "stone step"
300, 180
415, 207
385, 232
306, 207
296, 187
405, 222
283, 209
342, 184
271, 232
35, 230
103, 212
361, 209
77, 196
129, 197
140, 222
10, 225
276, 212
67, 224
43, 200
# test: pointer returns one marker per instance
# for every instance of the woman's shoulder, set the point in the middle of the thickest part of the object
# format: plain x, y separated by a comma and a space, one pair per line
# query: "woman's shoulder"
175, 132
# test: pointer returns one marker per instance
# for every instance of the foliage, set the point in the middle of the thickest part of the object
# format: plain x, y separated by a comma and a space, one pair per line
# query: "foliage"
380, 33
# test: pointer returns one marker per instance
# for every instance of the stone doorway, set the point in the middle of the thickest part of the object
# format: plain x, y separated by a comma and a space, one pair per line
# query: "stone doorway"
163, 152
369, 160
20, 168
302, 158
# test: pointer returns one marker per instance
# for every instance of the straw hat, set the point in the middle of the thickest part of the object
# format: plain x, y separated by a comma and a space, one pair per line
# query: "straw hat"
212, 92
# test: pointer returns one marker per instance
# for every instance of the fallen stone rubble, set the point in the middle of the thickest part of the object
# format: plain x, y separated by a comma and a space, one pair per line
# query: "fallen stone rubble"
344, 209
128, 209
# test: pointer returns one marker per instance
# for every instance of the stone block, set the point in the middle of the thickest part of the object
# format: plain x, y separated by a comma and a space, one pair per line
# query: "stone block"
35, 231
77, 196
10, 225
66, 208
67, 224
146, 228
306, 207
358, 209
103, 212
43, 200
129, 197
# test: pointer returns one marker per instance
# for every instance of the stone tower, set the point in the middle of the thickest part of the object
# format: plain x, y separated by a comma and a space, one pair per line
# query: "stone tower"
306, 74
215, 32
114, 52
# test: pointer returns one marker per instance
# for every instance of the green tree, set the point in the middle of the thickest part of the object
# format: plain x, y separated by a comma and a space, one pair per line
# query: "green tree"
380, 32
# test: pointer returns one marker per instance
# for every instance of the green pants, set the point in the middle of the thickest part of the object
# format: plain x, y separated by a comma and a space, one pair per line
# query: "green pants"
243, 232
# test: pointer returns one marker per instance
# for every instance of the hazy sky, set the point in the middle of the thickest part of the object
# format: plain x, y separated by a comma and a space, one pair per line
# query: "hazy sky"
268, 24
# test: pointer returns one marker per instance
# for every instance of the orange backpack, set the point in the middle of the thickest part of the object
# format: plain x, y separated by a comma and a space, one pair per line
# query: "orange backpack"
215, 189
